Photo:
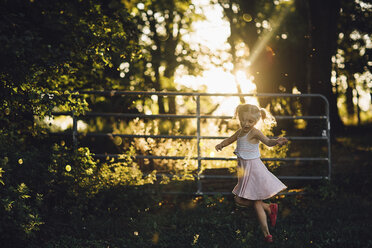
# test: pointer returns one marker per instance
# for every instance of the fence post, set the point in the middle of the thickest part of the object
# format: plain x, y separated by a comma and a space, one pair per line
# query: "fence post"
199, 185
328, 138
74, 130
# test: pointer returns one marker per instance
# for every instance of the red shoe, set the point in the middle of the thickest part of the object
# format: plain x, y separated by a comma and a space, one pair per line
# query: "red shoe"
274, 213
269, 238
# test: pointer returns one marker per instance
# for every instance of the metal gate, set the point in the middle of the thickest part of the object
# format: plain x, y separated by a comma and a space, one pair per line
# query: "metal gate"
325, 135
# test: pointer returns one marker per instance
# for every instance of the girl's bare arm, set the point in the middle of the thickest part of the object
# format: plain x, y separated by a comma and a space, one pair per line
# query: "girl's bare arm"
269, 142
228, 141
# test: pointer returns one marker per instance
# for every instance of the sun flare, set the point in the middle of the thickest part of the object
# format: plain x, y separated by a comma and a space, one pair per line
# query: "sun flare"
216, 80
214, 32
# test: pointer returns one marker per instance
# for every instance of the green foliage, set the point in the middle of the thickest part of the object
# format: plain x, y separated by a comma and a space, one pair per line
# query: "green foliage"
123, 173
170, 147
75, 171
19, 211
164, 23
35, 181
63, 44
51, 50
52, 181
351, 60
20, 204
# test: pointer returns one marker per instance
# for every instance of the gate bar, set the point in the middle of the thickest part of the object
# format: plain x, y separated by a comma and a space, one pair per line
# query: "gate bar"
102, 155
143, 116
161, 175
199, 190
187, 136
172, 93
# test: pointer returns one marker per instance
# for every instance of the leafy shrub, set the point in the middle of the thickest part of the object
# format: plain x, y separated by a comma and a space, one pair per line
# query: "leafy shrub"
20, 201
123, 173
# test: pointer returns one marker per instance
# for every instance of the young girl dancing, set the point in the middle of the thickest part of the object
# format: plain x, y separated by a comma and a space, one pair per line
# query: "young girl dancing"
255, 181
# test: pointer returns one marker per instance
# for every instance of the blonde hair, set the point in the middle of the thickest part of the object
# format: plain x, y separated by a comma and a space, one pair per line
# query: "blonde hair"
256, 112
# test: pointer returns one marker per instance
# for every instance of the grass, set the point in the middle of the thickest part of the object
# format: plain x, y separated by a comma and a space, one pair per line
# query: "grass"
336, 214
328, 220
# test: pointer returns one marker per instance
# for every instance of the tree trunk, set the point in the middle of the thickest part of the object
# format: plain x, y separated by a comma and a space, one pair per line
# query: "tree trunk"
324, 16
155, 61
157, 86
358, 108
232, 41
307, 102
349, 100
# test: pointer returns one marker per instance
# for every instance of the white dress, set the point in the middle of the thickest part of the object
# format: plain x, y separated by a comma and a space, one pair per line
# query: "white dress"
255, 181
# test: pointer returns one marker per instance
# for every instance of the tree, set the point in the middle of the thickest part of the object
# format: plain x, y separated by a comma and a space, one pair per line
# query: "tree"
49, 51
163, 24
267, 46
324, 18
351, 58
289, 55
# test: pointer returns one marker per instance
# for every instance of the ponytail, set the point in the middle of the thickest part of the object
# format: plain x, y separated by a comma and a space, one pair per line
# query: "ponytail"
236, 114
263, 114
268, 120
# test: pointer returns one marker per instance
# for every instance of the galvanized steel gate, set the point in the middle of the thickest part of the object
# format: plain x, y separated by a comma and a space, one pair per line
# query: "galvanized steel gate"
198, 137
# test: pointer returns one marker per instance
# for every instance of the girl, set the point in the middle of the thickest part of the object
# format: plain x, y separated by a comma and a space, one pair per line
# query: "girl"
255, 181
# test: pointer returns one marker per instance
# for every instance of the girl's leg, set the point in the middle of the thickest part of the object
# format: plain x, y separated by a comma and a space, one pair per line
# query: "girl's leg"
242, 201
246, 202
260, 211
266, 207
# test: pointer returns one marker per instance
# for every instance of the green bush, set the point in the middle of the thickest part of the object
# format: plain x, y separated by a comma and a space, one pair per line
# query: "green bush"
50, 50
34, 181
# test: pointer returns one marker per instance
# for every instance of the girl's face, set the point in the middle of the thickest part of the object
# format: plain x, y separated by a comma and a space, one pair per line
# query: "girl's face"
247, 121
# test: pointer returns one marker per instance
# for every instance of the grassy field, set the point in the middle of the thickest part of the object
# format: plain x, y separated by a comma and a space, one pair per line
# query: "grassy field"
336, 214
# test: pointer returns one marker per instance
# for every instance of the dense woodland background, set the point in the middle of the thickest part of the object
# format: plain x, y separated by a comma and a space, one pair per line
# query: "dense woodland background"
52, 50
